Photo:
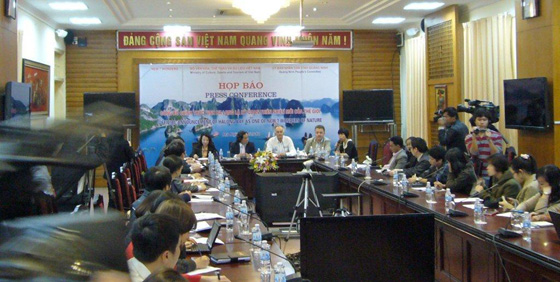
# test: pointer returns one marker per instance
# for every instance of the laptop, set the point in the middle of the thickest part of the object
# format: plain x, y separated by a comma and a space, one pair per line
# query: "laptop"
556, 221
207, 248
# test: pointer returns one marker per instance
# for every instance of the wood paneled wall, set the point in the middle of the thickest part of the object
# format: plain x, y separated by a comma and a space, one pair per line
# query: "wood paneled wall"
453, 79
90, 69
538, 54
8, 49
376, 64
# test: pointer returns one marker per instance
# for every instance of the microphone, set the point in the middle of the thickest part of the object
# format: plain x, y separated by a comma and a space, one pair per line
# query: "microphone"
477, 194
505, 232
265, 236
277, 255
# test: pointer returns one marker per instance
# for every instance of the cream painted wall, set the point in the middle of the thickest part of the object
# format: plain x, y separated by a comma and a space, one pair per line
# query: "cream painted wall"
37, 41
480, 10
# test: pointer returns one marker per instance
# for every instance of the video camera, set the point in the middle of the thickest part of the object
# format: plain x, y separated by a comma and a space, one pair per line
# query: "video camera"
475, 104
472, 106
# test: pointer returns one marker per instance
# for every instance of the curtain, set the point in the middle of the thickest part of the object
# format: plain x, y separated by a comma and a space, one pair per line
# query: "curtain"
415, 88
489, 58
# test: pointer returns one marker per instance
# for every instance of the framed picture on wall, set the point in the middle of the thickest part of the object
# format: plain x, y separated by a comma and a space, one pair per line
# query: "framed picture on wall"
38, 75
530, 8
441, 97
10, 8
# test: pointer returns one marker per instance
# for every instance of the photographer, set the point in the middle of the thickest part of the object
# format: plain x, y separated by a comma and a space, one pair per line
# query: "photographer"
452, 131
483, 142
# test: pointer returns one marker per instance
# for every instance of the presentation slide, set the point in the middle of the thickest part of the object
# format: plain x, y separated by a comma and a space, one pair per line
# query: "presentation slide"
222, 99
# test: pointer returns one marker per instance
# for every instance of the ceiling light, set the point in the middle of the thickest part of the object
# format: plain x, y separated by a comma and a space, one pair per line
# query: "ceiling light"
423, 5
260, 10
177, 29
85, 20
170, 10
388, 20
288, 30
314, 9
61, 33
68, 6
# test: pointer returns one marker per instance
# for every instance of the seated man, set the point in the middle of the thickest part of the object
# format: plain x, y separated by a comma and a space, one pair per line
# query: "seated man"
319, 144
411, 159
418, 150
156, 178
177, 148
184, 190
438, 170
156, 245
241, 148
281, 145
399, 159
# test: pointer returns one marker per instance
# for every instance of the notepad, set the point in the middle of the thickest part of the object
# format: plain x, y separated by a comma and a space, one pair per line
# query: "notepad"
204, 240
221, 258
202, 226
207, 216
465, 200
208, 269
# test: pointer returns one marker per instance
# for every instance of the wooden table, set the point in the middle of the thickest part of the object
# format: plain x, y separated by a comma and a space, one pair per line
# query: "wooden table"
244, 177
237, 271
464, 251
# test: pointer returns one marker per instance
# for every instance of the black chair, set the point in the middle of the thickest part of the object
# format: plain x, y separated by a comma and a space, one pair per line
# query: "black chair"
372, 151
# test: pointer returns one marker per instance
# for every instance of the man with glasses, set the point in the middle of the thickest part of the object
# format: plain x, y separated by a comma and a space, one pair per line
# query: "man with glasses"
452, 131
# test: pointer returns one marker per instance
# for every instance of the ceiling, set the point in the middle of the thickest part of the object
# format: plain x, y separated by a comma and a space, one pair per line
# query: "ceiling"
219, 14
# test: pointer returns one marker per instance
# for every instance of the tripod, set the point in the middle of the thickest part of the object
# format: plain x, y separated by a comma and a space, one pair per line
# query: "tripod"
306, 186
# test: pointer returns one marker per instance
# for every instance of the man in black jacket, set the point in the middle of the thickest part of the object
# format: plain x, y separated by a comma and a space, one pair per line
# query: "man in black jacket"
452, 131
419, 151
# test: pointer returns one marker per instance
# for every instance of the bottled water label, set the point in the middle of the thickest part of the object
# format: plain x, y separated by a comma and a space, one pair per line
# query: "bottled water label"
265, 256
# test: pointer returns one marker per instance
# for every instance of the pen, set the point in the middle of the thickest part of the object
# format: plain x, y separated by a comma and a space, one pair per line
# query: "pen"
218, 273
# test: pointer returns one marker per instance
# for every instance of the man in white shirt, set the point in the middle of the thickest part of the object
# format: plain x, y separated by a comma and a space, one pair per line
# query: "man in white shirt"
155, 239
281, 145
320, 143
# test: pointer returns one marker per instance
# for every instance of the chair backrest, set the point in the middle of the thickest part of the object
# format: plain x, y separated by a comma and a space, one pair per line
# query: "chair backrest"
143, 161
387, 154
372, 151
118, 192
121, 176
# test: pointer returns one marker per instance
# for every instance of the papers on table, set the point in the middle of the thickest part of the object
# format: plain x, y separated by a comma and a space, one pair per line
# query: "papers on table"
469, 206
195, 180
199, 200
207, 216
465, 200
212, 190
204, 270
419, 188
538, 224
202, 159
504, 214
204, 240
202, 226
202, 196
359, 166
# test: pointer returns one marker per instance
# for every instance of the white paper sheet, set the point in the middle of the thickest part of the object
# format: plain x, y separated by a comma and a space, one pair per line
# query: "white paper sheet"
465, 200
204, 270
207, 216
202, 226
204, 240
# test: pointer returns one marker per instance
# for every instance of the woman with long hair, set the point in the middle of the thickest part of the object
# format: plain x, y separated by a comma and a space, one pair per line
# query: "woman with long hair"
523, 168
548, 198
203, 147
461, 177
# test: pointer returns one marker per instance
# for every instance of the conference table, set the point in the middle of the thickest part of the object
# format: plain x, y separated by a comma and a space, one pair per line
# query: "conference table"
240, 271
464, 251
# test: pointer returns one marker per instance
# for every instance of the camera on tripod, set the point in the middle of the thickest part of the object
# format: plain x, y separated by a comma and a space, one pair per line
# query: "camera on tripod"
476, 104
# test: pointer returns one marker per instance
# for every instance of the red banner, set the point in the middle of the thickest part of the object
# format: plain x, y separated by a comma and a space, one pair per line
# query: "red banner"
153, 40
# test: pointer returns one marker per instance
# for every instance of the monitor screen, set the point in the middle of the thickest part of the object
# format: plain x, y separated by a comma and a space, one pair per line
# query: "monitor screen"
110, 108
362, 248
527, 103
367, 106
17, 100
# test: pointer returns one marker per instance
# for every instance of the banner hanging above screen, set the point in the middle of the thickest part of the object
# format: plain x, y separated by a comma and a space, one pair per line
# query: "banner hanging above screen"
228, 40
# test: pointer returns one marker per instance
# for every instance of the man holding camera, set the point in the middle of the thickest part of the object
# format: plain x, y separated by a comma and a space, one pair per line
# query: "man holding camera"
483, 142
452, 131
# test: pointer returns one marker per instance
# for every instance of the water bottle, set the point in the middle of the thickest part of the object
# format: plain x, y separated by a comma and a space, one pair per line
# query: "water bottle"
395, 179
210, 159
526, 227
244, 218
479, 213
237, 200
279, 273
368, 172
257, 235
265, 254
354, 166
221, 154
449, 203
229, 219
404, 185
221, 188
227, 189
430, 196
311, 151
220, 172
336, 161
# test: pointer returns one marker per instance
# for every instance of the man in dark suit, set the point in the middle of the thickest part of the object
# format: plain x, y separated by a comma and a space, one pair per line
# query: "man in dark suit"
241, 148
419, 150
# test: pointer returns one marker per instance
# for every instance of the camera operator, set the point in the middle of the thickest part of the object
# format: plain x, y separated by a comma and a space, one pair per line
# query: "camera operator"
486, 142
452, 131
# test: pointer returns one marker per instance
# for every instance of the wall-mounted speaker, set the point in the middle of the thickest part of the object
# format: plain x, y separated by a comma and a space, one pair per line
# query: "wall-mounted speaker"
69, 37
422, 26
400, 39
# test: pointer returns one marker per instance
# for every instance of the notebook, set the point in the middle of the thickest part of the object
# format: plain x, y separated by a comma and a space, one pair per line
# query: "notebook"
206, 248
